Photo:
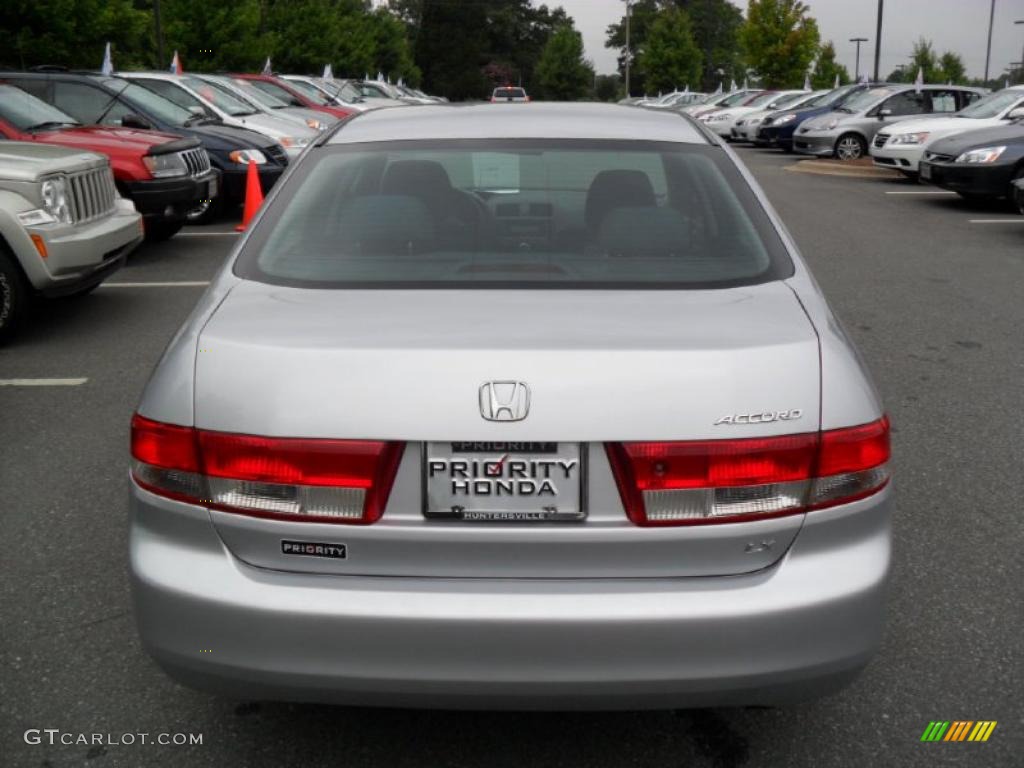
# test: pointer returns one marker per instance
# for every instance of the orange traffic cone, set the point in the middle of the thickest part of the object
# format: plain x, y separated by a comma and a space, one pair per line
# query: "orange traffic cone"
253, 196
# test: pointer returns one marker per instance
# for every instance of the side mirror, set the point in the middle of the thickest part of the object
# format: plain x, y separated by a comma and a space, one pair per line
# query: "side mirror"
884, 112
132, 120
1016, 114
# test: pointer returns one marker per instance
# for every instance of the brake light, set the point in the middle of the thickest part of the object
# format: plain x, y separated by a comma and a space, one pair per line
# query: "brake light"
302, 479
720, 481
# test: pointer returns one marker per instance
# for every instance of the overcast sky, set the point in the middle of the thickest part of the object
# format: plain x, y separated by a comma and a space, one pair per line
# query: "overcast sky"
960, 26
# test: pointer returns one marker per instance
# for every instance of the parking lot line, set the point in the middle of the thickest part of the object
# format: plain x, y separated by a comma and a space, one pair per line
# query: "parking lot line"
177, 284
1018, 220
921, 192
41, 382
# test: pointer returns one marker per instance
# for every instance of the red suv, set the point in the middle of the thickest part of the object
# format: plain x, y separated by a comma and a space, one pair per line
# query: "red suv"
289, 94
165, 176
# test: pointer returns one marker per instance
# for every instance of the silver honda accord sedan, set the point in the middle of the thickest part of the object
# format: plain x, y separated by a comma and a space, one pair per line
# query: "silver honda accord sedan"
497, 407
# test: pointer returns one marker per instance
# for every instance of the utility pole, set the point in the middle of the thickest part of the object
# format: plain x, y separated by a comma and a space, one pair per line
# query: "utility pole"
628, 52
988, 48
1021, 56
858, 41
161, 62
878, 39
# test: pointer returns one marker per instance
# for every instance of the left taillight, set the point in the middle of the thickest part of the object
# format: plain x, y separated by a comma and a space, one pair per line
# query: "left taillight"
300, 479
721, 481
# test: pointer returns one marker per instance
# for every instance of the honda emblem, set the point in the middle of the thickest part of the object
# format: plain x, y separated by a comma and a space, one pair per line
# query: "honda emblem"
504, 400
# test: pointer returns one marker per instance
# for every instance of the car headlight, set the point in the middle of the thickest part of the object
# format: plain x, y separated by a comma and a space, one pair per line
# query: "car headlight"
245, 156
910, 138
292, 141
316, 125
785, 119
165, 166
754, 121
55, 199
983, 155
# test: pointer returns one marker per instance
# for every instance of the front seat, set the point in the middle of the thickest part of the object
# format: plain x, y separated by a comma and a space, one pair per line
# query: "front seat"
457, 215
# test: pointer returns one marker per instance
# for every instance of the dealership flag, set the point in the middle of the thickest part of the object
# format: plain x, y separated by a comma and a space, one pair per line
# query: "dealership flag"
176, 65
687, 88
864, 79
267, 69
1007, 83
836, 83
733, 86
108, 63
919, 80
807, 81
746, 84
719, 89
380, 76
328, 72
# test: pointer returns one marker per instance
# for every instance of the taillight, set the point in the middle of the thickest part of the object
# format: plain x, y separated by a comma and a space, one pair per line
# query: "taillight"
302, 479
722, 481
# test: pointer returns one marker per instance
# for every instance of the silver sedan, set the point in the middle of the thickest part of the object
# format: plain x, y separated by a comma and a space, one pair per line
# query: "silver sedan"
495, 407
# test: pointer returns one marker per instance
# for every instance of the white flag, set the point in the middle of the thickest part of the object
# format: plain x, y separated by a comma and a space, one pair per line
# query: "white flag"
864, 78
267, 69
108, 62
401, 82
176, 65
328, 72
719, 89
919, 80
380, 76
1007, 83
733, 86
687, 88
746, 85
807, 81
836, 83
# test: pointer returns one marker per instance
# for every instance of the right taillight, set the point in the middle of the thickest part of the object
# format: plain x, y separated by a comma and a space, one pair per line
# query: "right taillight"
722, 481
309, 480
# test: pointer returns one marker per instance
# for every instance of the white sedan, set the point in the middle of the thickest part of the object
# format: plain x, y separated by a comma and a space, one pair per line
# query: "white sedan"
902, 146
723, 121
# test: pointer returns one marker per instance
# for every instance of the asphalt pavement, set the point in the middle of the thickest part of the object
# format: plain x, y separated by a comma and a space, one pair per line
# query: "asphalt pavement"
932, 290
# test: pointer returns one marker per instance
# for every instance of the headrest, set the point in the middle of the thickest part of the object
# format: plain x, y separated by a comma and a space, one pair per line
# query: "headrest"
419, 178
386, 224
617, 189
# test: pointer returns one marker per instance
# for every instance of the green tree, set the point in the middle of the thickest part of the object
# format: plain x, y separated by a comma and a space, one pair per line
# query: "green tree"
391, 50
715, 25
952, 69
73, 33
451, 48
608, 88
211, 36
670, 58
562, 73
780, 40
923, 59
826, 68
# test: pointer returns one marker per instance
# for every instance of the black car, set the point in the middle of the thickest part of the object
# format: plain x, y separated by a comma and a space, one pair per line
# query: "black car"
981, 164
96, 99
1018, 193
778, 128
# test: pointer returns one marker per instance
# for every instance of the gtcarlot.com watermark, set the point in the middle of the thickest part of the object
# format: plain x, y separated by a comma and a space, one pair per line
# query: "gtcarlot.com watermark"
55, 736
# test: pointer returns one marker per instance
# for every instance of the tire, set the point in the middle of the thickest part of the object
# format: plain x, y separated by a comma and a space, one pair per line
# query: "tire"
851, 146
15, 296
974, 197
205, 213
158, 231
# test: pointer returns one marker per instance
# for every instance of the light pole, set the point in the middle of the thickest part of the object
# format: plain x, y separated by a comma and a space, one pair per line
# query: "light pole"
858, 41
878, 38
1021, 21
988, 48
628, 54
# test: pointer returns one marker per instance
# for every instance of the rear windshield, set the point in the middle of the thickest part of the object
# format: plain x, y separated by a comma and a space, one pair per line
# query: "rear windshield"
516, 213
509, 93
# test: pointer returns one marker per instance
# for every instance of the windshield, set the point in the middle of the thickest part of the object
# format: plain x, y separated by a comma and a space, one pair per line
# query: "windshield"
373, 91
815, 101
865, 99
310, 91
762, 100
993, 105
792, 98
220, 97
262, 98
838, 96
25, 112
148, 102
516, 213
736, 99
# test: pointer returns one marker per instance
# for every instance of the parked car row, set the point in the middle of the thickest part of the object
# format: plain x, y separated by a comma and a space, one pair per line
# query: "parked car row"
955, 137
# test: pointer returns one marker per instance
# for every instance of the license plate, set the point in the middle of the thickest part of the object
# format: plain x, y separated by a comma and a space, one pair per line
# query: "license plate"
926, 171
504, 482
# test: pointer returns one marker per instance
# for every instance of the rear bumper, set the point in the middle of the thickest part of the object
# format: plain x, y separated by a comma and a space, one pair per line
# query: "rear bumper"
801, 628
170, 199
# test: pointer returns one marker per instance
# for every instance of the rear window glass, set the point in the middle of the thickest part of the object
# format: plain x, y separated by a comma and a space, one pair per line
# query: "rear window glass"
557, 214
509, 93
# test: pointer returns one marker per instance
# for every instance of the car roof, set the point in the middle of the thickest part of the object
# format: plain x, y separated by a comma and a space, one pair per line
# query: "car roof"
533, 121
